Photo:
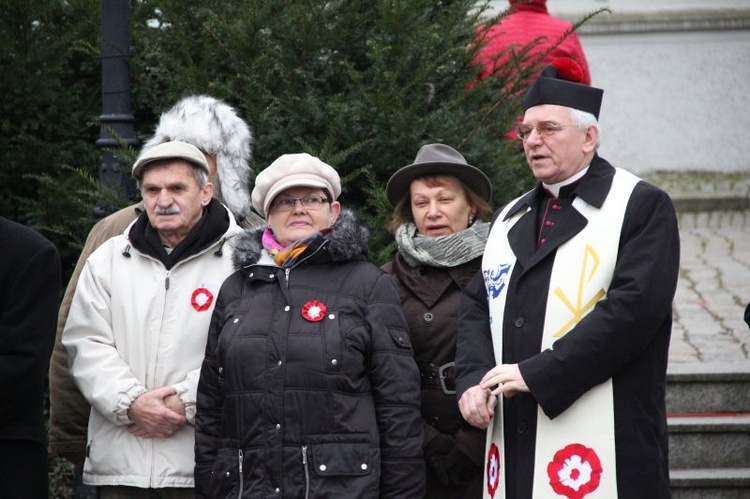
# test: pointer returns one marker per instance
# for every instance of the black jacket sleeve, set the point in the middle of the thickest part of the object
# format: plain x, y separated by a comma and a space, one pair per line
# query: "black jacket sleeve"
474, 353
210, 399
626, 323
396, 385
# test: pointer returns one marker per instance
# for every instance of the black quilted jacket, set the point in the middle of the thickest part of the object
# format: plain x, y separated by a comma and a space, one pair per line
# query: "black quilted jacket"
289, 406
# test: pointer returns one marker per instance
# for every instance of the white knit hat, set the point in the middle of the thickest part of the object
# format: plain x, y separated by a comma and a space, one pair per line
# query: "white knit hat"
293, 170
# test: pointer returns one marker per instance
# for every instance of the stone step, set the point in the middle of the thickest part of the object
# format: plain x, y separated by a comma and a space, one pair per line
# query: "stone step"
708, 407
708, 387
715, 483
711, 202
709, 441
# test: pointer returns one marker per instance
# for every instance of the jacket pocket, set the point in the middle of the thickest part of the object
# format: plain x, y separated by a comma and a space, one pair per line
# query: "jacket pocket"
401, 339
332, 342
343, 459
225, 474
349, 470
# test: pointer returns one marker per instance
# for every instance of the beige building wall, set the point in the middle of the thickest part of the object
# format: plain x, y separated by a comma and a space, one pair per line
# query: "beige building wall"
676, 80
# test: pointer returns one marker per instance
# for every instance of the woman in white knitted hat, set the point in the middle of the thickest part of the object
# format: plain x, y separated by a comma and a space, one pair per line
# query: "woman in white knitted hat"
309, 386
439, 203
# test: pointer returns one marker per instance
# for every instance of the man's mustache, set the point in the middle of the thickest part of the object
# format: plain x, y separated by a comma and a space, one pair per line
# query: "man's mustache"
172, 209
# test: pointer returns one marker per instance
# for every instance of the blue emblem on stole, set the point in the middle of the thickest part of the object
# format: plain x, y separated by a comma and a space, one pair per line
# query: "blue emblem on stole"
495, 280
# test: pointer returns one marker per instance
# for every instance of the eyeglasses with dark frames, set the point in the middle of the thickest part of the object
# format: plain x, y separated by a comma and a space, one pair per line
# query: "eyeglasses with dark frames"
310, 202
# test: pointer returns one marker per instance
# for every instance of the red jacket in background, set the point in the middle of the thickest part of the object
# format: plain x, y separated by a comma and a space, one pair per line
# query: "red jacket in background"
526, 22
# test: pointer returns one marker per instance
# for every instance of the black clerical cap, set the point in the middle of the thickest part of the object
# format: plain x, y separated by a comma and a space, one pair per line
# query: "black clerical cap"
554, 86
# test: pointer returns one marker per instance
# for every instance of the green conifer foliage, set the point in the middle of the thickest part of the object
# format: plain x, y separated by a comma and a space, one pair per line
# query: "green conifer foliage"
361, 84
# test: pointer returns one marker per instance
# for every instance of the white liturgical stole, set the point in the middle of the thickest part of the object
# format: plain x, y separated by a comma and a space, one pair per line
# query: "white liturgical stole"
575, 452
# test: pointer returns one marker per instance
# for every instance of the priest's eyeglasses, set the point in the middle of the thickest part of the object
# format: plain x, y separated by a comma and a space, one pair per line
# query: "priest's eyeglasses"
309, 202
543, 128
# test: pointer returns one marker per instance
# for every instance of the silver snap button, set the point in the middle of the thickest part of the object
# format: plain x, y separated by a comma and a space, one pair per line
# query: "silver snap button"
334, 362
322, 467
364, 466
236, 320
286, 309
278, 363
278, 426
331, 316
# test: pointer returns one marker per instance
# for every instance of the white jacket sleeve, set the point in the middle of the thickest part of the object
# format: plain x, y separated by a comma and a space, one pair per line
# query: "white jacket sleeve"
102, 376
187, 390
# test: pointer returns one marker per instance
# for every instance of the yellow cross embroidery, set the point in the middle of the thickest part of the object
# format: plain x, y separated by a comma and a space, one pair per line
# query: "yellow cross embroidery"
590, 259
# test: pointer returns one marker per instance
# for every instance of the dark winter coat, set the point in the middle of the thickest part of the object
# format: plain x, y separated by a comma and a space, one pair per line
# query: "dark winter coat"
625, 337
291, 407
30, 277
431, 299
29, 297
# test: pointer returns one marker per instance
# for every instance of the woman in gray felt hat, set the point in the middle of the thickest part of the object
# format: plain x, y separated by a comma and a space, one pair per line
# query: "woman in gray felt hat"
309, 387
439, 204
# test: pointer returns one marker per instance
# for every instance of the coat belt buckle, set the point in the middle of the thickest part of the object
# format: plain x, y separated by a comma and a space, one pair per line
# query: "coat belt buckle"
443, 376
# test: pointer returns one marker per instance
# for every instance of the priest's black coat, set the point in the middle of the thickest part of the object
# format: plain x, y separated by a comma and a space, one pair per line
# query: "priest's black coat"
625, 337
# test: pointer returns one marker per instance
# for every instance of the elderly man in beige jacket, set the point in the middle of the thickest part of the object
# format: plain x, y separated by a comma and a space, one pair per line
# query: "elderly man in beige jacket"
215, 128
138, 322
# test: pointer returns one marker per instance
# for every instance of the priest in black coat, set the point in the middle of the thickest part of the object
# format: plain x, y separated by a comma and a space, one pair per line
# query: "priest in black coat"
29, 298
533, 332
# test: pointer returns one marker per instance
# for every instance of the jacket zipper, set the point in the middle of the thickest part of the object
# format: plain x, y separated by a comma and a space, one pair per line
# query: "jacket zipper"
241, 477
151, 374
307, 471
288, 270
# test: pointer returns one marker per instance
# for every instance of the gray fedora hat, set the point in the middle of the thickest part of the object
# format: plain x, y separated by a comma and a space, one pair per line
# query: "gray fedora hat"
438, 159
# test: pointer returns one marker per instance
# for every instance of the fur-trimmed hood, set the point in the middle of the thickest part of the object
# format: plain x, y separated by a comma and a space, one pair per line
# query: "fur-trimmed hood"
346, 241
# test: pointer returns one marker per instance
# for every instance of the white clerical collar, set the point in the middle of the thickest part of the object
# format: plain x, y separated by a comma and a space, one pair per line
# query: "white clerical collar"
554, 189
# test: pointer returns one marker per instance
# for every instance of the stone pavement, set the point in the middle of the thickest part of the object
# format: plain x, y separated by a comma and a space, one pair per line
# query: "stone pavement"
714, 285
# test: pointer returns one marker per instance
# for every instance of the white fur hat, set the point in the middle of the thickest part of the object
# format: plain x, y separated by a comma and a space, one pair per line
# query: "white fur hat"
293, 170
213, 126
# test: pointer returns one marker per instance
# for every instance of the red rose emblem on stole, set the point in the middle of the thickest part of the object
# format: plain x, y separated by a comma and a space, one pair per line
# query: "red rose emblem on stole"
575, 471
493, 470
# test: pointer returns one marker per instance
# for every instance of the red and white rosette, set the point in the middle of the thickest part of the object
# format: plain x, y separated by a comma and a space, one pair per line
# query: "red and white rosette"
314, 311
575, 471
201, 299
493, 470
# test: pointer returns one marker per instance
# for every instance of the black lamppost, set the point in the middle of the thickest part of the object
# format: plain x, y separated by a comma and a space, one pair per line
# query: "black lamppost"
116, 118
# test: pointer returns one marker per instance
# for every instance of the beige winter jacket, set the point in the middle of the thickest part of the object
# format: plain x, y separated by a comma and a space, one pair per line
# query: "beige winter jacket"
69, 411
135, 326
